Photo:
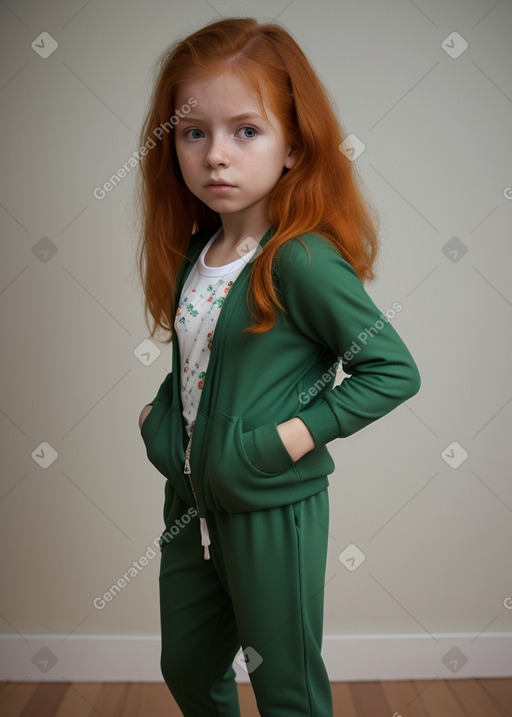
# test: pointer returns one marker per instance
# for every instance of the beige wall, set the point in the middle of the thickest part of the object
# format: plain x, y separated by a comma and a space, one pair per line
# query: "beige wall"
437, 163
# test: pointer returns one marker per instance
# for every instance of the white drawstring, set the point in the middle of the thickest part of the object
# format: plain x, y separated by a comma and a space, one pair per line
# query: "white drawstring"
205, 537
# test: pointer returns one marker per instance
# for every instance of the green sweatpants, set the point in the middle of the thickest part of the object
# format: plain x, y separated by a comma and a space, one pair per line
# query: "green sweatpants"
262, 589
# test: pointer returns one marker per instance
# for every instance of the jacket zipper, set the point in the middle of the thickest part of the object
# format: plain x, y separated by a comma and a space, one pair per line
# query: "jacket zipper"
205, 536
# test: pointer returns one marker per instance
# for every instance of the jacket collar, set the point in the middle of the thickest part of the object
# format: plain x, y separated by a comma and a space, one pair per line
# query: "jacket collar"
197, 243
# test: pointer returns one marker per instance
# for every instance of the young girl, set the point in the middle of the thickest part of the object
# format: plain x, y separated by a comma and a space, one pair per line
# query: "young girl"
256, 240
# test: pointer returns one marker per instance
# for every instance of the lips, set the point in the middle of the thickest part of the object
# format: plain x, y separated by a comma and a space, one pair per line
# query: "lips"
218, 183
219, 187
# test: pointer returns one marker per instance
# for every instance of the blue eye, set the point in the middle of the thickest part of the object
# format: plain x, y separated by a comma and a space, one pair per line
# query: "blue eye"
250, 129
187, 132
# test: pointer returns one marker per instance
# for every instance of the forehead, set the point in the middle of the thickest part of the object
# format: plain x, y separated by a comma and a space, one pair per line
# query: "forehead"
224, 95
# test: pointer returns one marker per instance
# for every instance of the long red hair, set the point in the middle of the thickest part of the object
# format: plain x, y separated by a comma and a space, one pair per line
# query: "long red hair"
321, 193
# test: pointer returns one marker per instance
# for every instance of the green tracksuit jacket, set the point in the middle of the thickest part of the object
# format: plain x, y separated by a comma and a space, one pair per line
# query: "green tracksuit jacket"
237, 459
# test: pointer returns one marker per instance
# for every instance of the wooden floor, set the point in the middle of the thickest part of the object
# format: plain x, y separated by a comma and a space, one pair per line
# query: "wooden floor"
439, 698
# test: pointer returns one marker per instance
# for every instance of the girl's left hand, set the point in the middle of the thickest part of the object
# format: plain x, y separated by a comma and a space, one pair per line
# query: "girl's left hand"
296, 437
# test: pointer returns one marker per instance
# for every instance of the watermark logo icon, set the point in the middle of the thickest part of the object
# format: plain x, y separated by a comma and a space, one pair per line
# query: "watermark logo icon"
454, 45
352, 147
249, 659
454, 454
351, 557
454, 659
44, 455
454, 249
44, 659
45, 45
248, 249
146, 352
44, 249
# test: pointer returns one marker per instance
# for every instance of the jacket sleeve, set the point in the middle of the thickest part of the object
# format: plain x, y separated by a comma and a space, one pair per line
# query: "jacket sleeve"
163, 391
326, 300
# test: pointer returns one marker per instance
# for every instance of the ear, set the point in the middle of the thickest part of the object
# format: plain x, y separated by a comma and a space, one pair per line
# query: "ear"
290, 158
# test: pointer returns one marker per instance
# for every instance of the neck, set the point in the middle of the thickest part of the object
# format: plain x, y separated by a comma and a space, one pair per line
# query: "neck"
237, 229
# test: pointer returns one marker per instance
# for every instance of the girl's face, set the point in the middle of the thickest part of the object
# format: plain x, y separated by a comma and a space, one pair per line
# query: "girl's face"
226, 138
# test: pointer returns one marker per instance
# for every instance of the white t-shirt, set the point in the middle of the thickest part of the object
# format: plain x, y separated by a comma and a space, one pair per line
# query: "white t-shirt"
196, 317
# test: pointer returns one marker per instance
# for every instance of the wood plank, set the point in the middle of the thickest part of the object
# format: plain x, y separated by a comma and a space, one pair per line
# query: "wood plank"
146, 698
403, 699
111, 698
14, 696
45, 700
369, 699
500, 692
475, 700
342, 701
79, 699
437, 698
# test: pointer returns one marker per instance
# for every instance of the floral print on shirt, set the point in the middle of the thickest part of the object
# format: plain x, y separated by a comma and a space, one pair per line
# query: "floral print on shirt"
191, 313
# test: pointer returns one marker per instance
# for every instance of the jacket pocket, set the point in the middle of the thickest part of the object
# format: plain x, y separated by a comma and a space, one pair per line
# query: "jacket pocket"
156, 432
246, 470
161, 432
263, 449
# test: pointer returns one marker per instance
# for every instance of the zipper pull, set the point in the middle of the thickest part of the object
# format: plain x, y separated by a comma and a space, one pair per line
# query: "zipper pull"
186, 467
205, 537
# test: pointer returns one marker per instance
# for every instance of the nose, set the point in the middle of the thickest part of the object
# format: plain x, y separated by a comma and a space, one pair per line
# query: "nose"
217, 153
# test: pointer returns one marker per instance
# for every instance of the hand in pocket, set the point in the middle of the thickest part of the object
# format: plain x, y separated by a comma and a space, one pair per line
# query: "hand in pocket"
143, 415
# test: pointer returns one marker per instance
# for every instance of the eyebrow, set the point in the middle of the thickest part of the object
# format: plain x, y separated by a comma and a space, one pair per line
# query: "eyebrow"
236, 118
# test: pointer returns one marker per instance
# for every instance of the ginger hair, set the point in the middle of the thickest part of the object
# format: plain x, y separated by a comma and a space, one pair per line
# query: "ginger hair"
321, 193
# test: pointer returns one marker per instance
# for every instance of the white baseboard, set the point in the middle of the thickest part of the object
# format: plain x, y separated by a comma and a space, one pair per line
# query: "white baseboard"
99, 658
